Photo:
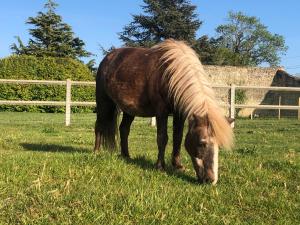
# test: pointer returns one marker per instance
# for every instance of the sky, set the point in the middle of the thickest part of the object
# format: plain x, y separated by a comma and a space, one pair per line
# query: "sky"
98, 22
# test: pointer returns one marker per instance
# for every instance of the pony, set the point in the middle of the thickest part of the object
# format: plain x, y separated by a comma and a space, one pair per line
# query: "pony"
156, 82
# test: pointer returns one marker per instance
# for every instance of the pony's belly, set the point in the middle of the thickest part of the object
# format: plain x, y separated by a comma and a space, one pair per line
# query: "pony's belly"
133, 102
137, 112
135, 109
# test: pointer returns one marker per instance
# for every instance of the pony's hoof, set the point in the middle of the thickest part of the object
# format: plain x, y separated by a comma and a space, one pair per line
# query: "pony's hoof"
160, 166
125, 156
179, 167
96, 152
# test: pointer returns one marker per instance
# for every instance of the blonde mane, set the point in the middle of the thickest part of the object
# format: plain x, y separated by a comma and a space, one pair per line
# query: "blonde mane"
190, 89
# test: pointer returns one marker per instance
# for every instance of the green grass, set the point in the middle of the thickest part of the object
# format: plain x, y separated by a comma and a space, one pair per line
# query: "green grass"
48, 175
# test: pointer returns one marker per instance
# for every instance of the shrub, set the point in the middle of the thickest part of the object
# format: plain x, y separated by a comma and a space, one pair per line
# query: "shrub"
240, 96
43, 68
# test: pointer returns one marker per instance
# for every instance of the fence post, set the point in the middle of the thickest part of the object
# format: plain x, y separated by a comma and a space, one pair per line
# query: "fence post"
153, 122
299, 109
68, 102
279, 103
232, 103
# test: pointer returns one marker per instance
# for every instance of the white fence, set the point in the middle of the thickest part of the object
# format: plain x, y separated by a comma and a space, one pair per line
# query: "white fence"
68, 103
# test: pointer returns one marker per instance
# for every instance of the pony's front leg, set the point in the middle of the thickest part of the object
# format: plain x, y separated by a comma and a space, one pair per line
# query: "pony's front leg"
178, 125
162, 140
124, 133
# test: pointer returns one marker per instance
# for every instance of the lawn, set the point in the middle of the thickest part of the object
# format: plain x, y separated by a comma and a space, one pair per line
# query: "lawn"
48, 175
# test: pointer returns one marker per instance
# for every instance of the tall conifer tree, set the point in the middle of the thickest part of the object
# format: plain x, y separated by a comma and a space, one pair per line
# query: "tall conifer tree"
50, 36
162, 19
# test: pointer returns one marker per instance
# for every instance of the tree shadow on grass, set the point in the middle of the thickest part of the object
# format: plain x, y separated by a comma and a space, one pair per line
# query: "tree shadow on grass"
36, 147
146, 164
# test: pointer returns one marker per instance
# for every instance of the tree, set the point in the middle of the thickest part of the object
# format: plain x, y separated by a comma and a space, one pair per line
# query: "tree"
105, 51
205, 49
50, 36
162, 19
211, 53
245, 41
91, 64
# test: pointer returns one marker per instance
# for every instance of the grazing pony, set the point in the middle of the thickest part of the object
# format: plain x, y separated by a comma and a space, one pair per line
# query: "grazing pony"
155, 82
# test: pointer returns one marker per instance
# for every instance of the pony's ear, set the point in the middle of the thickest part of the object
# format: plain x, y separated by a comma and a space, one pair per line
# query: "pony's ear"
197, 119
205, 121
200, 121
230, 120
194, 121
194, 116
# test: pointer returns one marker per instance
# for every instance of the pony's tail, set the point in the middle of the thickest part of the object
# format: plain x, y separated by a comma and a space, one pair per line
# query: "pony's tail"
107, 123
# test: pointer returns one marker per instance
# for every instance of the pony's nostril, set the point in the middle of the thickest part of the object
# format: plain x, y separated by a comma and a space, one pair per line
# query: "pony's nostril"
210, 175
208, 180
201, 180
205, 180
211, 180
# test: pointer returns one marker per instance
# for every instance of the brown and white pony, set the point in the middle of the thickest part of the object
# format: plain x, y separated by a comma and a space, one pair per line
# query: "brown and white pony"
165, 79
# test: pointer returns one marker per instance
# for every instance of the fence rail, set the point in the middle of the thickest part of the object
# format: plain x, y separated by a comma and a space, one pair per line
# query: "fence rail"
45, 82
231, 105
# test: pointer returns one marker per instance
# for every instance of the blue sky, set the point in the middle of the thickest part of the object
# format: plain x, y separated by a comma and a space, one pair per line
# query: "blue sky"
97, 22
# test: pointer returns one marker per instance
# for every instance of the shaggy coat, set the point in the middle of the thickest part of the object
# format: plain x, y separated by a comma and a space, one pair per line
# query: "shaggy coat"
155, 82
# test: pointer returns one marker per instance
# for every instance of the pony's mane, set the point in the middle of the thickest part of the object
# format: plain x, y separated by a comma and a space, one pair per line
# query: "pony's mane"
190, 89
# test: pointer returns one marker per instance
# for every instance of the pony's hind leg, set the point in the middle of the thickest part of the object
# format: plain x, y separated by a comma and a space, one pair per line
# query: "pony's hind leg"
97, 137
124, 133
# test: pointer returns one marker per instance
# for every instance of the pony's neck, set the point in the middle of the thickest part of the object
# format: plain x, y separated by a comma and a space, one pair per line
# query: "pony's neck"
190, 89
187, 82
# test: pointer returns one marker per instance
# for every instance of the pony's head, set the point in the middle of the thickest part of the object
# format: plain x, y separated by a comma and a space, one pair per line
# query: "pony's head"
203, 149
191, 92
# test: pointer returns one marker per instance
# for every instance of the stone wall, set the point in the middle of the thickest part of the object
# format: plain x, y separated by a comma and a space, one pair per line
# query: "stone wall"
255, 76
281, 79
241, 75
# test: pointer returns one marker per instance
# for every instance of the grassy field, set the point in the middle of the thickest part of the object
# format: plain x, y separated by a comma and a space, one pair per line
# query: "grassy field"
48, 175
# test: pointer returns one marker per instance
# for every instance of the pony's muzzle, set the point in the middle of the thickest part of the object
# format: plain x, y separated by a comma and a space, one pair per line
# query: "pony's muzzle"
204, 175
208, 178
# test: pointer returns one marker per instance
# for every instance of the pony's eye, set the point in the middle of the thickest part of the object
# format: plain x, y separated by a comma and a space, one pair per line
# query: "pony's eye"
202, 144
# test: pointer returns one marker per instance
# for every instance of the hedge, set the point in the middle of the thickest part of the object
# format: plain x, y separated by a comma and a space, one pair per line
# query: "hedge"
43, 68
